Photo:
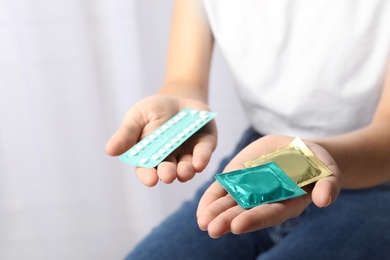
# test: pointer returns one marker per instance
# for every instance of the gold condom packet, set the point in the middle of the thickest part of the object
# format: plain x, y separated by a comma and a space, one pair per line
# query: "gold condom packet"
297, 161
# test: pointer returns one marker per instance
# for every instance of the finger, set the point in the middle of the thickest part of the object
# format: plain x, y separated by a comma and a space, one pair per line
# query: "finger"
185, 170
222, 223
148, 176
128, 133
268, 215
202, 154
167, 170
213, 193
326, 190
213, 210
203, 149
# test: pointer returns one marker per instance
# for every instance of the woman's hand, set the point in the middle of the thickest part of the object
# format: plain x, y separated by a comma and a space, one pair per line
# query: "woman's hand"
147, 115
219, 214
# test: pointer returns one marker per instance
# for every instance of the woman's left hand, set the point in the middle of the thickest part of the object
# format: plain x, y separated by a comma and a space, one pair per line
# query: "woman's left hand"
219, 214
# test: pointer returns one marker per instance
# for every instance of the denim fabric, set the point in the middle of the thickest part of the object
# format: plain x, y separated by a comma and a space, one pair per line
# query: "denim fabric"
354, 227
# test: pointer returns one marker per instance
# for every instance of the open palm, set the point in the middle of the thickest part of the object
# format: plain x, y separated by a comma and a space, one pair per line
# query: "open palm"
147, 115
219, 214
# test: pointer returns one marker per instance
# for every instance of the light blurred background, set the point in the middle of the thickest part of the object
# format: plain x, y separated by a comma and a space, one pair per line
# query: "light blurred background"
69, 70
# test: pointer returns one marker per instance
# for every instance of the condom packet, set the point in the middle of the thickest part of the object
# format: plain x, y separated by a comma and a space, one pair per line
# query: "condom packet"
254, 186
297, 161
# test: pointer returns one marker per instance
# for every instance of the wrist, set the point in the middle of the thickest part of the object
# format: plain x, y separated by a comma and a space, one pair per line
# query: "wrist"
186, 91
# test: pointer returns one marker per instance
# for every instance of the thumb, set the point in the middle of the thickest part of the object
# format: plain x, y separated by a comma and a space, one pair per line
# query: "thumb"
326, 191
127, 134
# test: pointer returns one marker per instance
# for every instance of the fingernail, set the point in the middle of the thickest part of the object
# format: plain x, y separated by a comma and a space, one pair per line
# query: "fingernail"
330, 201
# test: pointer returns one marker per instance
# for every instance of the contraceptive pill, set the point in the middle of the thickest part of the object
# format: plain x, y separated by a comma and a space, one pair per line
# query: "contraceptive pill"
154, 148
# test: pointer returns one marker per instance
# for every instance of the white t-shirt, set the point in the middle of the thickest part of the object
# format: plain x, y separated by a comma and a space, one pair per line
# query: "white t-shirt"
305, 68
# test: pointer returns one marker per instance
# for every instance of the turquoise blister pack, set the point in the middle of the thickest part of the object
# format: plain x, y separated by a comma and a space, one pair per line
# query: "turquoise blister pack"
266, 183
154, 148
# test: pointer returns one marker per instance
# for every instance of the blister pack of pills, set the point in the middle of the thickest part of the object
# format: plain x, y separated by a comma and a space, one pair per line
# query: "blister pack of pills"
154, 148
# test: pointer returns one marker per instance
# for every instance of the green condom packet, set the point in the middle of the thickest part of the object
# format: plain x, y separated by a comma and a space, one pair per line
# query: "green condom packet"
258, 185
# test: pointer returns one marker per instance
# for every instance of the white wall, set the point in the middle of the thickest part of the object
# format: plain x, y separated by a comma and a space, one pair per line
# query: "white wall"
69, 69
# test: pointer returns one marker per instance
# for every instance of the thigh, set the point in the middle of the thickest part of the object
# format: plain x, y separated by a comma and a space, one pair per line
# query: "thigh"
179, 236
354, 227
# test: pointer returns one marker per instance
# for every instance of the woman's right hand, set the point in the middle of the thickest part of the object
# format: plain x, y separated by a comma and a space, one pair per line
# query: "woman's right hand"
147, 115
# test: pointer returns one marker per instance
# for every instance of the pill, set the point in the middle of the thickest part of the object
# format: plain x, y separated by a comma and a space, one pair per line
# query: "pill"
143, 160
133, 152
155, 147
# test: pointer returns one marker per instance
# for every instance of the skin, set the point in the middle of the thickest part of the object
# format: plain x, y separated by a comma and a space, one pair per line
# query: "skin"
185, 86
219, 214
350, 156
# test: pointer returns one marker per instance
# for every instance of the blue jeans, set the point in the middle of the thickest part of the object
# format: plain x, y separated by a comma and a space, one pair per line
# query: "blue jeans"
356, 226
